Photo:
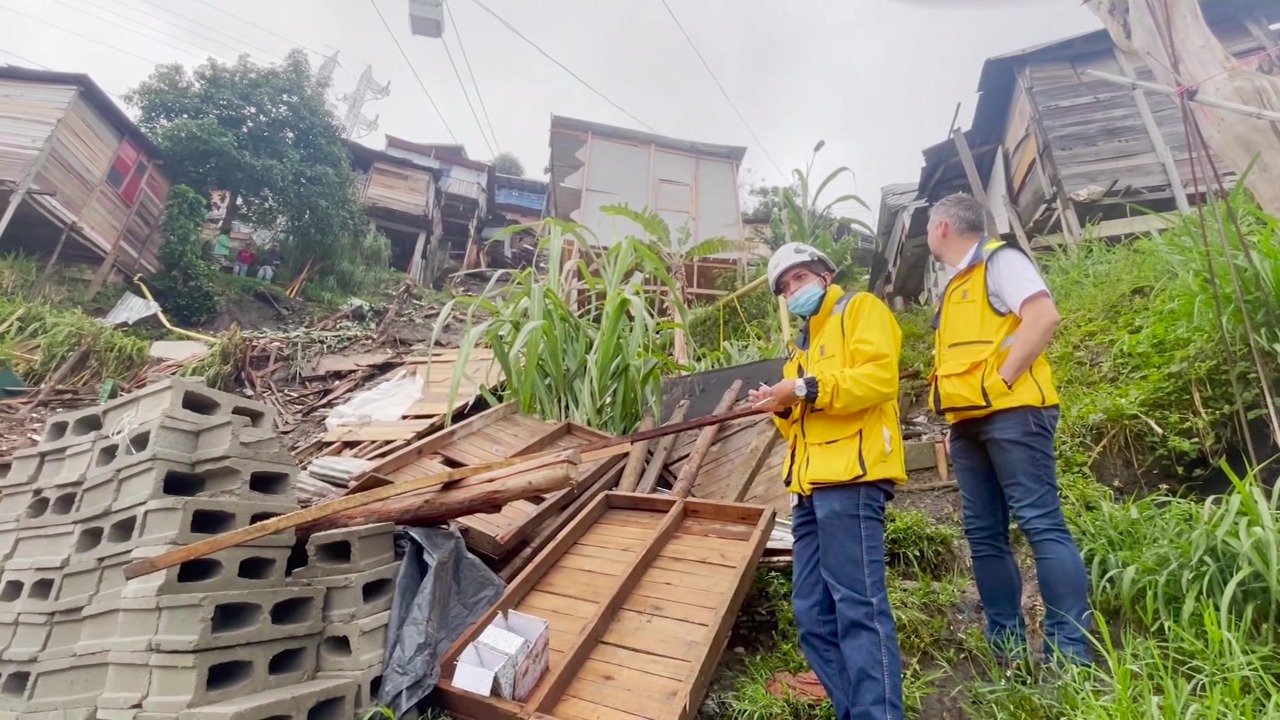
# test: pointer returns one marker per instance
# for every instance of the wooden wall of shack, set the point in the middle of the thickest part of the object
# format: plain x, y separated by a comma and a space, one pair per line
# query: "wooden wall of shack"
1069, 150
58, 127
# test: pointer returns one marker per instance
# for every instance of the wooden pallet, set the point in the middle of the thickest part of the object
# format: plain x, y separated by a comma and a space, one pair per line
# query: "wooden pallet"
641, 592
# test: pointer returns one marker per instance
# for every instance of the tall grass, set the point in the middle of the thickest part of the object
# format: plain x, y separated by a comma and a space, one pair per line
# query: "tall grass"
587, 342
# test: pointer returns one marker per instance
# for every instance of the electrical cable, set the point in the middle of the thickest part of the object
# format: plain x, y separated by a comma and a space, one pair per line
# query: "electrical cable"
475, 116
561, 65
253, 50
292, 43
412, 69
94, 14
724, 92
81, 35
467, 62
29, 61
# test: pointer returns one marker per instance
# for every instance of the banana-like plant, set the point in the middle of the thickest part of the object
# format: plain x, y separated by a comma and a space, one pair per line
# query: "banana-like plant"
806, 217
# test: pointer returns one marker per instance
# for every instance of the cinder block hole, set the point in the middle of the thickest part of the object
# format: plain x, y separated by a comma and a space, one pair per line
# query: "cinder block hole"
278, 717
375, 686
15, 684
199, 570
41, 589
88, 539
256, 568
257, 418
56, 430
107, 455
293, 611
338, 646
86, 424
298, 557
228, 675
12, 590
331, 709
235, 617
199, 403
122, 530
376, 590
139, 443
64, 503
269, 483
181, 484
337, 552
287, 662
38, 506
263, 517
212, 522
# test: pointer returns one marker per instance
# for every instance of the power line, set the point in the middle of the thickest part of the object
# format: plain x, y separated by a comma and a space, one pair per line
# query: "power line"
561, 65
467, 62
29, 61
126, 28
466, 95
205, 27
413, 70
81, 35
292, 43
723, 92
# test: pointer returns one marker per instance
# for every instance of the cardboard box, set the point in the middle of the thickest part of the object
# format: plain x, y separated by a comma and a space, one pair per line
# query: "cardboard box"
512, 654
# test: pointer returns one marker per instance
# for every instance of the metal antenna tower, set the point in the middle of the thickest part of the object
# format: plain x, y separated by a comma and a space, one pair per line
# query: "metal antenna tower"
367, 89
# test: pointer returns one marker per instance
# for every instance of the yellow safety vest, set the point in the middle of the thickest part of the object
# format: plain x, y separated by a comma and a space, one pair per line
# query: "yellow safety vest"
852, 432
971, 341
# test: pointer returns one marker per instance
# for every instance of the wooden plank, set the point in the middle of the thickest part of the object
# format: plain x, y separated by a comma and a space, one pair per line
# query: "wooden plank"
660, 452
431, 444
549, 532
1153, 132
396, 430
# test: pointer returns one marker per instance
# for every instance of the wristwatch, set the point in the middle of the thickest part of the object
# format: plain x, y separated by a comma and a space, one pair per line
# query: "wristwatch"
801, 389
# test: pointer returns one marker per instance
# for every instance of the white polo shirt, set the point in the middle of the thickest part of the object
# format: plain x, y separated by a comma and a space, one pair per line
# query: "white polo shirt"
1011, 279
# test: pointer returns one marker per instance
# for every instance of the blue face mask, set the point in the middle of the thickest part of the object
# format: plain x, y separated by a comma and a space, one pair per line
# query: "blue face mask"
806, 301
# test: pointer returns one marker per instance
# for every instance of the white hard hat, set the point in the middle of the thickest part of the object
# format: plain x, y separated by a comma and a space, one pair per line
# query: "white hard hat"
790, 255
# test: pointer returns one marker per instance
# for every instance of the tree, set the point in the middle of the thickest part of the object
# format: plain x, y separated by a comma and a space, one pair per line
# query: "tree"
506, 163
1182, 51
264, 135
184, 286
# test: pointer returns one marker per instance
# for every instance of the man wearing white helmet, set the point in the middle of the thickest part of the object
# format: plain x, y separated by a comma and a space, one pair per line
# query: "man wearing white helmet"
837, 408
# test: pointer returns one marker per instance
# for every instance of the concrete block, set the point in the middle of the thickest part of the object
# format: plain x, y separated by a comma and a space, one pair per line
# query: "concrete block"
82, 580
63, 635
73, 682
24, 467
187, 680
348, 598
16, 682
28, 590
30, 633
221, 480
348, 550
235, 568
66, 466
86, 713
45, 507
187, 399
8, 536
368, 683
71, 428
186, 623
328, 699
128, 679
358, 645
171, 522
47, 547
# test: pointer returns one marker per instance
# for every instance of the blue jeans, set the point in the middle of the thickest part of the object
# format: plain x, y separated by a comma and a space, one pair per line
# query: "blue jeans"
841, 602
1005, 464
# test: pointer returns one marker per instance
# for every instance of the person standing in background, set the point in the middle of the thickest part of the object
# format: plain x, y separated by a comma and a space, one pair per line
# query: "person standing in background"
994, 386
837, 409
244, 261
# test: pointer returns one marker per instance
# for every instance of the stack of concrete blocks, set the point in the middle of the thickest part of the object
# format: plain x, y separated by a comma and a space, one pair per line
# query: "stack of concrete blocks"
223, 637
356, 569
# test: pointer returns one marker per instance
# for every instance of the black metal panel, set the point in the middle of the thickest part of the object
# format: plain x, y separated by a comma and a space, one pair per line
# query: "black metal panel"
704, 390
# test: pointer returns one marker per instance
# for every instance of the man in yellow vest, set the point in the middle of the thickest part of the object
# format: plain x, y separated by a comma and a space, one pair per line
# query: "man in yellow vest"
837, 408
995, 388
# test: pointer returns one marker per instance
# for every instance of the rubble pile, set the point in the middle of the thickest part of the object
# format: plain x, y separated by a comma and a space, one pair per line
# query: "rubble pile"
228, 636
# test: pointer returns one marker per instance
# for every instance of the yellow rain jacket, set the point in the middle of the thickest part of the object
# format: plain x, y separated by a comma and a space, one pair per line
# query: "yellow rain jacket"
851, 432
971, 342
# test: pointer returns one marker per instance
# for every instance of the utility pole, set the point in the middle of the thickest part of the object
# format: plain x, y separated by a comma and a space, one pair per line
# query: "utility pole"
354, 120
324, 75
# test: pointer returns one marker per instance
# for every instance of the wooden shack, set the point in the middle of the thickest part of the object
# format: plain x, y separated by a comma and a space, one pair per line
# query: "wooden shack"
1054, 150
399, 195
79, 181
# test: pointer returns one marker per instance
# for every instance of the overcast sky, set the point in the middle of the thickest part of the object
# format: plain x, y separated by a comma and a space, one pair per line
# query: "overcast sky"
878, 80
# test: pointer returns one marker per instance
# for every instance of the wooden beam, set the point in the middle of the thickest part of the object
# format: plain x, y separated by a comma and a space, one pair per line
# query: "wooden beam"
57, 250
29, 177
552, 529
975, 180
311, 514
1153, 132
754, 460
649, 480
1256, 113
635, 461
689, 472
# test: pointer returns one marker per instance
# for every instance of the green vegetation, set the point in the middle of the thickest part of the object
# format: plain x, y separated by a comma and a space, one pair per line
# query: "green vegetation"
185, 286
598, 361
